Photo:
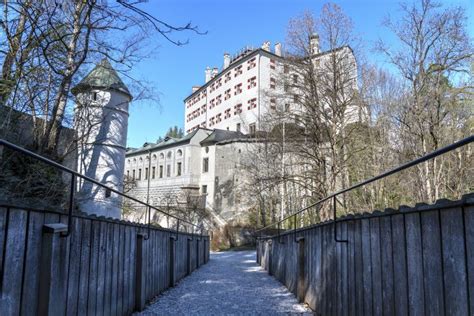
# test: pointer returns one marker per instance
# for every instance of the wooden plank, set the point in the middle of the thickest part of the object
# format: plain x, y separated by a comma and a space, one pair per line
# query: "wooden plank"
133, 244
29, 301
120, 275
337, 266
387, 265
109, 259
84, 266
416, 293
126, 275
13, 262
114, 269
367, 267
400, 265
432, 263
359, 268
344, 269
469, 226
74, 267
93, 268
376, 263
101, 268
351, 288
454, 258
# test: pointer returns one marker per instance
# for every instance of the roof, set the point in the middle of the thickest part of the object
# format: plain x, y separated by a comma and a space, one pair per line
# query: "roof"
103, 76
219, 135
166, 143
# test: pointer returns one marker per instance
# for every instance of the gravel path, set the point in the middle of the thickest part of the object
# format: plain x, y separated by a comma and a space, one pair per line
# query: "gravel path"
231, 283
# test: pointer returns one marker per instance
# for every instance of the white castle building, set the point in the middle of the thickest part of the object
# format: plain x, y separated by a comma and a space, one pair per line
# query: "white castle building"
221, 118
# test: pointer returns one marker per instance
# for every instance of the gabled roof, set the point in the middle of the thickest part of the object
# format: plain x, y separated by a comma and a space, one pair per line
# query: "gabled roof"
219, 135
166, 143
103, 76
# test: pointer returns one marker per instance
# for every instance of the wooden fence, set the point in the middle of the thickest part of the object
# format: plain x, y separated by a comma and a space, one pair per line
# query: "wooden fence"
411, 261
104, 267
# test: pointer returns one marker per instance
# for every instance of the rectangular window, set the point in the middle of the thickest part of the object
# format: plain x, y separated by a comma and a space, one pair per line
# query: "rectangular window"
272, 83
108, 193
205, 165
238, 109
272, 104
251, 63
146, 173
178, 169
252, 82
168, 170
296, 98
153, 169
133, 174
139, 174
252, 129
238, 71
252, 103
272, 64
227, 94
295, 78
204, 189
237, 128
238, 89
161, 171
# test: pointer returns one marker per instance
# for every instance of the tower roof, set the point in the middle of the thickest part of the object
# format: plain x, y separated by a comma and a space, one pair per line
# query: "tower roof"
103, 76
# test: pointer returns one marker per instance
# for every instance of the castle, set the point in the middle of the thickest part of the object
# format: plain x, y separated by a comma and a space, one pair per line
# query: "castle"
222, 117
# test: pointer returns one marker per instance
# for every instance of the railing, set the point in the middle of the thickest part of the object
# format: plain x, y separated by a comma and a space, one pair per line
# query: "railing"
75, 174
333, 196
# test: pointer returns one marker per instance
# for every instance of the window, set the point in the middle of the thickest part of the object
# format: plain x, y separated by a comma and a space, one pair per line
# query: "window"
178, 169
238, 89
252, 103
161, 171
295, 98
272, 64
153, 169
252, 82
179, 153
205, 165
133, 174
227, 94
146, 173
287, 107
238, 109
252, 129
168, 155
272, 83
108, 193
286, 69
237, 128
251, 63
204, 189
272, 104
162, 156
139, 174
238, 71
227, 77
227, 114
94, 96
168, 170
207, 149
128, 174
286, 88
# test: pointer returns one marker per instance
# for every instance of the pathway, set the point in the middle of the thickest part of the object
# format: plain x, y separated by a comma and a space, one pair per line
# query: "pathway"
231, 283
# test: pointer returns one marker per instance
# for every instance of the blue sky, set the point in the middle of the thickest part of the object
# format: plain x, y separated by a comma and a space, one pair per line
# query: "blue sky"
231, 25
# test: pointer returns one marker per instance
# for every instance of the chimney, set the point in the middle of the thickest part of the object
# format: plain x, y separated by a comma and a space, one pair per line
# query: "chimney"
196, 88
278, 49
214, 73
226, 60
266, 46
314, 43
208, 74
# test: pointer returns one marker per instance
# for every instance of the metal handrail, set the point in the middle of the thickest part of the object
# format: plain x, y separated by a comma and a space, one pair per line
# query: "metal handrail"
404, 166
76, 174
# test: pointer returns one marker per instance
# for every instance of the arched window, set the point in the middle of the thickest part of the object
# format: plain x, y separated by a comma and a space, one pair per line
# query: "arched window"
134, 161
162, 156
128, 161
153, 158
179, 153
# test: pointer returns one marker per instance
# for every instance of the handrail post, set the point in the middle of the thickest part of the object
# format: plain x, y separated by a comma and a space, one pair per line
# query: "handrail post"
71, 205
334, 208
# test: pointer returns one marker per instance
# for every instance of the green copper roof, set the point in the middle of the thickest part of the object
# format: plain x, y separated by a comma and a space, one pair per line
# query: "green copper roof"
103, 76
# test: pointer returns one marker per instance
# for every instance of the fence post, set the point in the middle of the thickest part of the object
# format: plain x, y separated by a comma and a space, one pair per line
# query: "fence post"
140, 273
172, 261
188, 258
51, 284
197, 251
270, 255
301, 282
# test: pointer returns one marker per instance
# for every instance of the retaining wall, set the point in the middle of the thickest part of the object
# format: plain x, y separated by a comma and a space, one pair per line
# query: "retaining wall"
104, 267
411, 261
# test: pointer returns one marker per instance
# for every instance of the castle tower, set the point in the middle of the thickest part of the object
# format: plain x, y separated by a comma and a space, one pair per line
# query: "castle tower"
101, 122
